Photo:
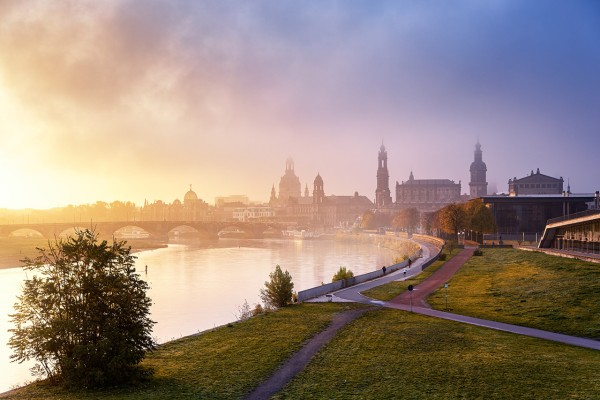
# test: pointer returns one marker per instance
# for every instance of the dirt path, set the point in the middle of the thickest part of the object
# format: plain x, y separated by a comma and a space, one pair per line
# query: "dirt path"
299, 360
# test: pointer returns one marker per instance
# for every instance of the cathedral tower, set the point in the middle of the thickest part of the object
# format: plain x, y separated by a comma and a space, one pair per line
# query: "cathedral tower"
478, 184
318, 191
382, 193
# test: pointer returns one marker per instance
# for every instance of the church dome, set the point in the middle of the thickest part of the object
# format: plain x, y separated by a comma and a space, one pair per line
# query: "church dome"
190, 196
319, 180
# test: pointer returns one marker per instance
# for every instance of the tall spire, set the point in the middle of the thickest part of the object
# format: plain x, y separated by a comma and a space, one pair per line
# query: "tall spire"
478, 184
382, 193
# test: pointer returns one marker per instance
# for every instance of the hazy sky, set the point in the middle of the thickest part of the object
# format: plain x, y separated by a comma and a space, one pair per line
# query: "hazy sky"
133, 100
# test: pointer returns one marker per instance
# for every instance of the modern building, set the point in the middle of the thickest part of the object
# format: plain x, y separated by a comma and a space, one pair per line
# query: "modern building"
427, 195
535, 183
478, 184
578, 232
383, 196
529, 213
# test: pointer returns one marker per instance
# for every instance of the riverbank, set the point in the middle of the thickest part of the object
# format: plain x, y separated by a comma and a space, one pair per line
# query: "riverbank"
14, 249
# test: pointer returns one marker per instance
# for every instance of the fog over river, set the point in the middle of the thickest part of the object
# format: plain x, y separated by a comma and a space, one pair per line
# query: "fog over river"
198, 286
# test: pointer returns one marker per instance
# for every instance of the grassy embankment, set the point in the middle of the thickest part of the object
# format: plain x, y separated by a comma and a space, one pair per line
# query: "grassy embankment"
389, 354
529, 289
390, 290
383, 354
224, 363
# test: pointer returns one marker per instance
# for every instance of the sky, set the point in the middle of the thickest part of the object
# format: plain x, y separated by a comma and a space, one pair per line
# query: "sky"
136, 100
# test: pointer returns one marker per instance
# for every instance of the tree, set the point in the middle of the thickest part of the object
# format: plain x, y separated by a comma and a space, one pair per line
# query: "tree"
368, 220
84, 315
342, 274
278, 291
407, 218
479, 217
452, 219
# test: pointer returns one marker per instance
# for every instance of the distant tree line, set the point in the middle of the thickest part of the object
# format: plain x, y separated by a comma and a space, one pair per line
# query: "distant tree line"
450, 220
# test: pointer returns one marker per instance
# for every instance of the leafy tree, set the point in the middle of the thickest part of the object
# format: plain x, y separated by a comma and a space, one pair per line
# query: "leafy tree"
407, 218
368, 220
453, 219
84, 314
479, 217
278, 291
342, 274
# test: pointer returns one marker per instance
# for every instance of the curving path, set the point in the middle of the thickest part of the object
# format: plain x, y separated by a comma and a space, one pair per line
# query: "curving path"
435, 281
299, 360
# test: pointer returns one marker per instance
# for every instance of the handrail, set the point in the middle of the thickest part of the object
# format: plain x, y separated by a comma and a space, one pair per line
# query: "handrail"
572, 216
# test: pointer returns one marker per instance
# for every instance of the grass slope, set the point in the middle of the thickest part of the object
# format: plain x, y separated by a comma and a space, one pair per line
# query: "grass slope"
389, 354
529, 289
224, 363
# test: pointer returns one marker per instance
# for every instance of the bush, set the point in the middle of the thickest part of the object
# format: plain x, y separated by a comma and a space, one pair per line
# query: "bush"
84, 315
278, 291
342, 274
478, 252
442, 257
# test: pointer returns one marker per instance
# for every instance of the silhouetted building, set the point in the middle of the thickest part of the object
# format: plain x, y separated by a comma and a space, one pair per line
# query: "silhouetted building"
383, 197
320, 211
478, 184
289, 185
427, 194
535, 183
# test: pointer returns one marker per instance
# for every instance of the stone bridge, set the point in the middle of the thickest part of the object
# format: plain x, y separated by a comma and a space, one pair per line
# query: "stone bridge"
156, 229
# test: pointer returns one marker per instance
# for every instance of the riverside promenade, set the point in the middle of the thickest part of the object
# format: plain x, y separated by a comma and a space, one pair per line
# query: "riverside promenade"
416, 304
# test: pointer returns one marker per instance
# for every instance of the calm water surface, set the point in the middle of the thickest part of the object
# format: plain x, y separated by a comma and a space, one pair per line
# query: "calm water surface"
198, 286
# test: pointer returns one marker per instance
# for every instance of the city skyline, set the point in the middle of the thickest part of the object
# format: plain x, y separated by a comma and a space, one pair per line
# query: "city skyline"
132, 101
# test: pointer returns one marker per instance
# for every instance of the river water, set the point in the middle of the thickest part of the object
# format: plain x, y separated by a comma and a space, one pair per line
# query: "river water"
198, 286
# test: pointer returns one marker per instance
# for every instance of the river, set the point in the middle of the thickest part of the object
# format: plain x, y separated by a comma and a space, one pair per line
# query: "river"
198, 286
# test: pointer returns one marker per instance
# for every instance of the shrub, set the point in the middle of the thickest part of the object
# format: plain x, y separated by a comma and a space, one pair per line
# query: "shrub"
279, 290
84, 315
342, 274
442, 257
478, 252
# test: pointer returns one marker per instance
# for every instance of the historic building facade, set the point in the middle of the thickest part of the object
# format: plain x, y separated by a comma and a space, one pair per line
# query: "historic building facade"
535, 183
192, 209
383, 197
478, 184
289, 186
318, 211
427, 195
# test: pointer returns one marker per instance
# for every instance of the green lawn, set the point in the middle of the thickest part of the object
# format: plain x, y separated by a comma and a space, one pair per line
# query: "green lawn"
530, 289
224, 363
390, 290
389, 354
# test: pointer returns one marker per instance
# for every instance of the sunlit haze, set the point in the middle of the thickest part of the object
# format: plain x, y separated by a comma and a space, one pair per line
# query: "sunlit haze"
136, 100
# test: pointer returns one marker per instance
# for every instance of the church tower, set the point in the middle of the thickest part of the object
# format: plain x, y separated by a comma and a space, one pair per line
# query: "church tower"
318, 191
478, 184
382, 193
